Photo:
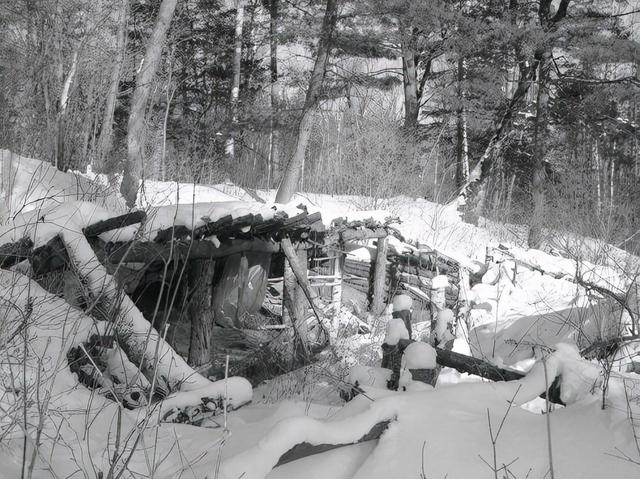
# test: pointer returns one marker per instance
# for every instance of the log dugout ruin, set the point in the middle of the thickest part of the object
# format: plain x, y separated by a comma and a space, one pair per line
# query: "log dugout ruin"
203, 285
378, 264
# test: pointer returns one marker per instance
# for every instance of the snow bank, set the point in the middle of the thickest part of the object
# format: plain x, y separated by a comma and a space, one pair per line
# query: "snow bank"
29, 184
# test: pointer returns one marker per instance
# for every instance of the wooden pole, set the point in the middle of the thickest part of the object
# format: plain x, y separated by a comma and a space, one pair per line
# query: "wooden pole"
301, 275
200, 309
380, 274
294, 307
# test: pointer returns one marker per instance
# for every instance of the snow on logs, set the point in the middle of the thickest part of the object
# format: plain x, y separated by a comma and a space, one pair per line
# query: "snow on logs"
59, 237
199, 231
466, 364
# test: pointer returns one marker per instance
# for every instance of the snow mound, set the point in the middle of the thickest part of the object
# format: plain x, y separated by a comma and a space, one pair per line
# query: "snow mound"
402, 302
419, 355
396, 330
29, 184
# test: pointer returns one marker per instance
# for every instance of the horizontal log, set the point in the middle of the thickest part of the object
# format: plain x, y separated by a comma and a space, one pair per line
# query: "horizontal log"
212, 228
116, 222
147, 252
363, 234
479, 367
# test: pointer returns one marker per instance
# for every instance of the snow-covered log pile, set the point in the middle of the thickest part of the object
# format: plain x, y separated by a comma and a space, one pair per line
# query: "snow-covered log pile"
165, 371
409, 268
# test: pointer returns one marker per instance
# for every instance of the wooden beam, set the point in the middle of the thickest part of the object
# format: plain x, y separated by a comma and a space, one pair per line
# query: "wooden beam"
363, 234
116, 222
146, 252
212, 228
378, 299
290, 253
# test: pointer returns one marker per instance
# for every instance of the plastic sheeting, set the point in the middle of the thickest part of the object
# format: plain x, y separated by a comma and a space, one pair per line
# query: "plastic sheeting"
239, 292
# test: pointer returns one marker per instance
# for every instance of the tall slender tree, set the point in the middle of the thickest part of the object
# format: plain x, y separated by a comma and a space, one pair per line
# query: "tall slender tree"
136, 130
293, 172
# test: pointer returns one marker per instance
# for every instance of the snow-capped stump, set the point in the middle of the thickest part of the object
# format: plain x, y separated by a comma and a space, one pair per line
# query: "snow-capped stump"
391, 354
419, 355
402, 305
420, 360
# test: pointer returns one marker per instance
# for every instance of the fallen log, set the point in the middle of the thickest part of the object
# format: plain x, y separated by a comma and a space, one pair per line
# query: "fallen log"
479, 367
116, 222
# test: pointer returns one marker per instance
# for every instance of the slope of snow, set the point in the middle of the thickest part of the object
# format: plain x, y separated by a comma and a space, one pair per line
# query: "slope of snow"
29, 184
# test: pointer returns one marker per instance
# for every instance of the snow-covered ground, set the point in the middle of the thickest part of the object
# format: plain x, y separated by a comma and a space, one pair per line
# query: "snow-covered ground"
464, 428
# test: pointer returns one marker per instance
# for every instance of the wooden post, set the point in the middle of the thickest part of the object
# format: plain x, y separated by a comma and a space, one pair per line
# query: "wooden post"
336, 289
294, 303
438, 304
380, 273
200, 309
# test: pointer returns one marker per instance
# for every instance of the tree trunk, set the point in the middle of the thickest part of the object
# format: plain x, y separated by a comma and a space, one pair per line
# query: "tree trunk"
293, 172
230, 145
295, 307
201, 314
462, 145
61, 163
539, 171
136, 134
106, 130
410, 80
274, 131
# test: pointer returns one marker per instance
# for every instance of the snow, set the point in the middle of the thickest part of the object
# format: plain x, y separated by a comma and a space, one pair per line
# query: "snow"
453, 432
440, 282
369, 376
402, 302
517, 317
33, 185
419, 355
444, 319
396, 330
